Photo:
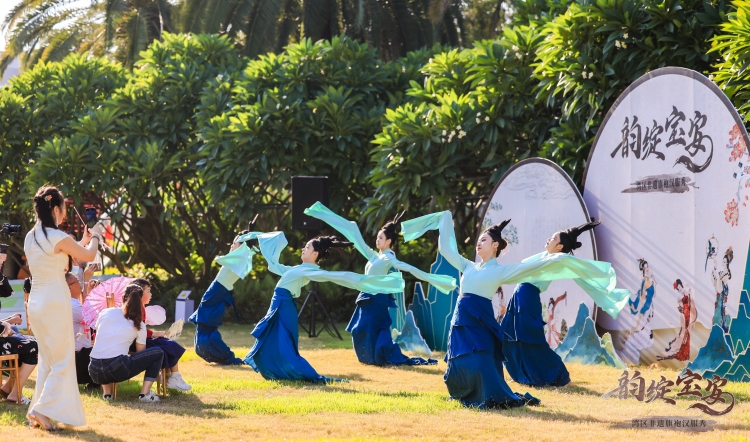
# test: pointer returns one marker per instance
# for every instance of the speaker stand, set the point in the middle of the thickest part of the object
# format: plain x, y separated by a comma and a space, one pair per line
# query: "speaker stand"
327, 325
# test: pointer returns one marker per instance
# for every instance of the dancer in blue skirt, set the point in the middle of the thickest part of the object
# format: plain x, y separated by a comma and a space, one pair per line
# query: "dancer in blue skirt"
528, 357
275, 354
208, 317
370, 325
475, 350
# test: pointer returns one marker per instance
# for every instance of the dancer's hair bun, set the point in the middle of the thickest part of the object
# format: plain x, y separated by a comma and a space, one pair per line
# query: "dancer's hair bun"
390, 230
569, 237
323, 244
496, 233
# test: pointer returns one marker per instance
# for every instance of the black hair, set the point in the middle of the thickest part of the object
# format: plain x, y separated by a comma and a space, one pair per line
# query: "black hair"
569, 237
132, 304
496, 233
46, 199
641, 264
27, 285
322, 244
390, 231
141, 282
729, 255
678, 283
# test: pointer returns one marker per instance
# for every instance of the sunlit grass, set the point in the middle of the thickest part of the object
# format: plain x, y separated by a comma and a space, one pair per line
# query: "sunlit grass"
395, 403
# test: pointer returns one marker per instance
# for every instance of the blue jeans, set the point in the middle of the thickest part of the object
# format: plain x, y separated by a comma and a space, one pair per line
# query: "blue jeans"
123, 367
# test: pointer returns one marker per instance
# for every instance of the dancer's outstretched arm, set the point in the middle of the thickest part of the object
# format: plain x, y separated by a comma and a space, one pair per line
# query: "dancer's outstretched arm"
447, 245
391, 283
271, 244
347, 228
444, 283
597, 278
350, 231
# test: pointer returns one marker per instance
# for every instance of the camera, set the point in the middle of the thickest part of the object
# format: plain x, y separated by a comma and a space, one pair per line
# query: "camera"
91, 218
8, 230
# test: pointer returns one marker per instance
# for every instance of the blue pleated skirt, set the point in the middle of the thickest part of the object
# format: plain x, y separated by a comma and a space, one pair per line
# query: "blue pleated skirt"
370, 327
210, 346
528, 358
275, 354
475, 358
172, 350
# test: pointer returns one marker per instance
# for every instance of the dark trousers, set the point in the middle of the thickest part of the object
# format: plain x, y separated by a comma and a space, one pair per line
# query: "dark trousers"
83, 358
124, 367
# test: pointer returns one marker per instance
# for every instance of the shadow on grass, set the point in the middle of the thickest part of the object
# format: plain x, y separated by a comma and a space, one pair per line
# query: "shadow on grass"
87, 434
177, 403
542, 414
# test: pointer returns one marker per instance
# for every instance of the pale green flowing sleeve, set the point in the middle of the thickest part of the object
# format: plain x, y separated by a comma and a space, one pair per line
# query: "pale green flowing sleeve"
447, 245
444, 283
596, 278
239, 261
390, 283
271, 244
347, 228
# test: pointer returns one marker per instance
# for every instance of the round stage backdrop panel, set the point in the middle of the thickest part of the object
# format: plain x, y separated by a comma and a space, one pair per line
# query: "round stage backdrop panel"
668, 177
540, 198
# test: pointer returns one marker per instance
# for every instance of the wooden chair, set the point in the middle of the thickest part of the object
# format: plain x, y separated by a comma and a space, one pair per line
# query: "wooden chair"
161, 384
12, 370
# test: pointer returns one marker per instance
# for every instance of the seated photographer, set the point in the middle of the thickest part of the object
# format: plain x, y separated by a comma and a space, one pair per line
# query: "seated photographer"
81, 331
116, 329
172, 350
12, 342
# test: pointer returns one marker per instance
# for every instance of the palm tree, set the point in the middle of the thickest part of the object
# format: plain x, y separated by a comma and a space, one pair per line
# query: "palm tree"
48, 30
394, 27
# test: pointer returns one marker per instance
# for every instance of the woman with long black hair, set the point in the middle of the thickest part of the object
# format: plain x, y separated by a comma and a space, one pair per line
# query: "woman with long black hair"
56, 395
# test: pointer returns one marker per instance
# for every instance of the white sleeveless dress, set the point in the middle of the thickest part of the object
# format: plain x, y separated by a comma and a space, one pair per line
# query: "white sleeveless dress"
50, 311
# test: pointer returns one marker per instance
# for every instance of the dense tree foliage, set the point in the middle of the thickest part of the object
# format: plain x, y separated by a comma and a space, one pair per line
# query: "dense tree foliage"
198, 138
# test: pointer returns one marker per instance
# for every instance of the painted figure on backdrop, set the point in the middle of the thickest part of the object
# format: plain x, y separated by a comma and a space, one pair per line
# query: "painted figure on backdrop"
498, 304
641, 306
554, 335
641, 336
721, 276
688, 315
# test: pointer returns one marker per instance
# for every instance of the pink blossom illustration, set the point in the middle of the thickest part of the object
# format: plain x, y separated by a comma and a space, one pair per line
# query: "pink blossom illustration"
736, 144
732, 214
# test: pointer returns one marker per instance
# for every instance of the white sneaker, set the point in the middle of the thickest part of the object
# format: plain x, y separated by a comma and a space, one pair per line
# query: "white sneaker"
149, 397
175, 382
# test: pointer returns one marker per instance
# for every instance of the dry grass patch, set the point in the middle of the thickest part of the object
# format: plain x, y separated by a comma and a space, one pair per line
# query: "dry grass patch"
396, 403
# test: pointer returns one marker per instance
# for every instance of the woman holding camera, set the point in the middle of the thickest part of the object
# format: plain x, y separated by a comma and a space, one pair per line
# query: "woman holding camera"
47, 248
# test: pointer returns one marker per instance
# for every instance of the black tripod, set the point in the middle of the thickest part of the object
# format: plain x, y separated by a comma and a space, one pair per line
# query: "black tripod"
312, 331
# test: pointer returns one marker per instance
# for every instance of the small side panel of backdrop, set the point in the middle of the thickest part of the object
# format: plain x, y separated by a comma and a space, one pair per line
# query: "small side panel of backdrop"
540, 199
433, 312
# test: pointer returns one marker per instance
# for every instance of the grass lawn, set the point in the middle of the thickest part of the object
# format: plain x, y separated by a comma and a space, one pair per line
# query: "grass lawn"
397, 403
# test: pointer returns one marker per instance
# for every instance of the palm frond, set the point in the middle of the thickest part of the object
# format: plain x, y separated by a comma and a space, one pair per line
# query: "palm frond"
262, 27
320, 19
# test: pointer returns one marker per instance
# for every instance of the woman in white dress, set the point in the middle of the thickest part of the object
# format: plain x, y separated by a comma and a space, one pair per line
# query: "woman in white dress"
56, 396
